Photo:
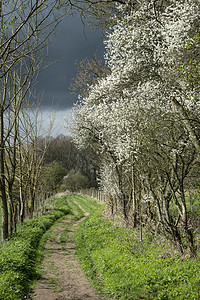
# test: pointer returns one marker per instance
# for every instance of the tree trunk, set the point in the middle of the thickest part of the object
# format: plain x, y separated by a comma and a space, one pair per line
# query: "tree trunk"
4, 204
11, 217
22, 206
134, 199
191, 246
15, 216
188, 232
187, 123
4, 207
177, 239
125, 209
32, 207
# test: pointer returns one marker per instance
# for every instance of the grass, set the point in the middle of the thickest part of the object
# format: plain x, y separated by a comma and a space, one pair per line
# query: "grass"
112, 257
88, 204
77, 211
122, 267
20, 255
54, 283
64, 237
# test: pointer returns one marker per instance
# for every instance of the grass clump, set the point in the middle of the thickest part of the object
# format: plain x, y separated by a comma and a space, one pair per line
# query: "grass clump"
121, 266
18, 255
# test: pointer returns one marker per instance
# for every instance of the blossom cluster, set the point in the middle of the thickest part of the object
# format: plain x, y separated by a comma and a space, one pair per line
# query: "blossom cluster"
135, 114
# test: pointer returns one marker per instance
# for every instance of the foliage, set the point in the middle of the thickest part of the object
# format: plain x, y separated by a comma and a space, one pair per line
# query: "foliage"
74, 181
142, 119
0, 224
18, 255
52, 176
130, 269
62, 150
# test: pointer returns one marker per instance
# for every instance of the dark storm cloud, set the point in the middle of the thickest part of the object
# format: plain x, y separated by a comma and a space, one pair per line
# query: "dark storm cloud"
73, 42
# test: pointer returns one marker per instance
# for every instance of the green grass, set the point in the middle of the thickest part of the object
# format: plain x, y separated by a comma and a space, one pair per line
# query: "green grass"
88, 204
19, 256
122, 267
64, 237
77, 211
112, 257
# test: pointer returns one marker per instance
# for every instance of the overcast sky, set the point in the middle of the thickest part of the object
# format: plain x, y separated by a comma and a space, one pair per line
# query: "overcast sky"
73, 41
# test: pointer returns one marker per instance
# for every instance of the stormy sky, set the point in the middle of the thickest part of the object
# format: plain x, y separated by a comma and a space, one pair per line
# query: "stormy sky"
72, 42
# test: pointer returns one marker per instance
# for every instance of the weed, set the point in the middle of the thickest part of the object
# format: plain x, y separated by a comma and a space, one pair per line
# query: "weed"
54, 283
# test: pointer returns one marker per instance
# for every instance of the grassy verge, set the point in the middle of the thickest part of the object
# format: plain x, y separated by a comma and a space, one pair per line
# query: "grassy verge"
20, 254
87, 203
77, 211
121, 266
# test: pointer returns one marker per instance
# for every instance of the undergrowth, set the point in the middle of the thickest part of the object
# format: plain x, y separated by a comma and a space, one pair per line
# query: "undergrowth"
20, 254
122, 267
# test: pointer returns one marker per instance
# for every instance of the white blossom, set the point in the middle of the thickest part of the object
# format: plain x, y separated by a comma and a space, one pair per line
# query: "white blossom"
126, 111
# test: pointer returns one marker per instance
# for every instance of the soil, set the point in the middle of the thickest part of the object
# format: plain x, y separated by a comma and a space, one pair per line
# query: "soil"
62, 277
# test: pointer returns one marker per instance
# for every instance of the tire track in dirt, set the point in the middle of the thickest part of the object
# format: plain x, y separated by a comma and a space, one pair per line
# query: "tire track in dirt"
63, 278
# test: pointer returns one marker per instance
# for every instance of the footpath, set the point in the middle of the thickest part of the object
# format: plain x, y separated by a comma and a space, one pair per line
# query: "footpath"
62, 277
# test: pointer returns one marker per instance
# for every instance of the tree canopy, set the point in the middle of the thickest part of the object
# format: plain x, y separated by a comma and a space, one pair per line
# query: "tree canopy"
142, 119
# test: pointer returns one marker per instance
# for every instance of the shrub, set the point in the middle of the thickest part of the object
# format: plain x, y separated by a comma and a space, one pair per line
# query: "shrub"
12, 285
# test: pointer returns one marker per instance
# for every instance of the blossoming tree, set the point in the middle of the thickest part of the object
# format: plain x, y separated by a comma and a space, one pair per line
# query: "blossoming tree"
142, 120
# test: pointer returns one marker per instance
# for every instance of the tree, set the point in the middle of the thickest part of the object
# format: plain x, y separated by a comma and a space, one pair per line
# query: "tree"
99, 13
51, 177
31, 160
62, 150
142, 119
25, 27
88, 73
25, 30
74, 181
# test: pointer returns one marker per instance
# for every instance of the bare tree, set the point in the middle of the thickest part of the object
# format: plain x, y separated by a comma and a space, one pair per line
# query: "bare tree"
25, 28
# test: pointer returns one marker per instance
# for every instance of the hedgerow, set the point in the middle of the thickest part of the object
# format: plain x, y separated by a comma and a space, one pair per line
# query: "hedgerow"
19, 254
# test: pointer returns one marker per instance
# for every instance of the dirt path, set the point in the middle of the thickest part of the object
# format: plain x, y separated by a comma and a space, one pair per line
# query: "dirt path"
63, 278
